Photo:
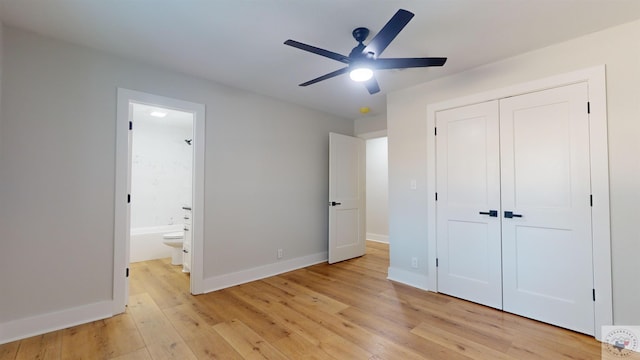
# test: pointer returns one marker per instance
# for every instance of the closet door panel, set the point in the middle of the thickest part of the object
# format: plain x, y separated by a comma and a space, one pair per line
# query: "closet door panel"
468, 184
546, 239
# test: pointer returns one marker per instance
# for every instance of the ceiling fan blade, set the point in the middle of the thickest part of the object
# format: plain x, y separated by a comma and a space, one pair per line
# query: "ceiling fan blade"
318, 51
372, 85
327, 76
402, 63
388, 32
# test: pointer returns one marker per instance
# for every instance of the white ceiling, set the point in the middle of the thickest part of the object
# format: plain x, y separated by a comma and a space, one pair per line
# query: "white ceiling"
240, 42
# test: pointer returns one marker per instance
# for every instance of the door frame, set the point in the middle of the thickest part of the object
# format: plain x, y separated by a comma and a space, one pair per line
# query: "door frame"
595, 77
122, 186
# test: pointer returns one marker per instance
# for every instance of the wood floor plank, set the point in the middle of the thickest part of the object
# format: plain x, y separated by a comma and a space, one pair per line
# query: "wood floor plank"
212, 346
142, 354
296, 322
496, 339
399, 334
313, 299
160, 336
165, 285
325, 326
237, 308
187, 322
9, 351
137, 287
315, 340
523, 348
154, 327
342, 292
177, 350
490, 326
366, 340
296, 346
102, 339
459, 344
247, 342
44, 347
347, 310
354, 275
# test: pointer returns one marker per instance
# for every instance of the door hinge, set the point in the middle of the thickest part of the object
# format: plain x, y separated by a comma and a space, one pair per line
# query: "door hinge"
128, 198
127, 273
437, 262
588, 107
591, 200
435, 131
594, 294
130, 125
436, 196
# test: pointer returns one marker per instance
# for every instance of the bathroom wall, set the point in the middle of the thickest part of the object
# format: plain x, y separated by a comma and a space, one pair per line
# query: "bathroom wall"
161, 167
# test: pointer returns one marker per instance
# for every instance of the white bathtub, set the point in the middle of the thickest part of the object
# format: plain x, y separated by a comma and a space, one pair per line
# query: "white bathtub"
146, 243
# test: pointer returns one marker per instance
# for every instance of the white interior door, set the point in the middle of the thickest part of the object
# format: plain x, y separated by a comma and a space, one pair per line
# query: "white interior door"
468, 204
347, 158
547, 244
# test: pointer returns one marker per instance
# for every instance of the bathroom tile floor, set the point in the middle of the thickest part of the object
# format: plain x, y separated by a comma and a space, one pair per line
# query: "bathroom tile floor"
347, 310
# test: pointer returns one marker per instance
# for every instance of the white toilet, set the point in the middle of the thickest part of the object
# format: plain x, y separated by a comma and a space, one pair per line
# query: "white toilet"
175, 240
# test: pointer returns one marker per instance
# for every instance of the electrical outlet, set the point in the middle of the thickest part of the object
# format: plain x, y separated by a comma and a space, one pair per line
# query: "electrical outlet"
280, 253
414, 262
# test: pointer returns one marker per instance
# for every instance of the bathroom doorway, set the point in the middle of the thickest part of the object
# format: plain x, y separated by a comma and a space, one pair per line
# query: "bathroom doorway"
159, 186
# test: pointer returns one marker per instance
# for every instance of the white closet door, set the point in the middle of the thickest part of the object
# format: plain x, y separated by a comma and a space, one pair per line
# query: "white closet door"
547, 252
468, 186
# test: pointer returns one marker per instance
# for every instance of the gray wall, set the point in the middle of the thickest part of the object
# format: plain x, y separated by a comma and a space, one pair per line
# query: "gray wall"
618, 49
369, 124
266, 172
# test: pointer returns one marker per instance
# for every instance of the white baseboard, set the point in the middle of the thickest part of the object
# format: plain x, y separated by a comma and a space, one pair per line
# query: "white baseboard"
408, 278
378, 238
261, 272
41, 324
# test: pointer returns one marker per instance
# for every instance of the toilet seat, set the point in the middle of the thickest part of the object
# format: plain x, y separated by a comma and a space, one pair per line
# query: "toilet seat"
174, 239
173, 235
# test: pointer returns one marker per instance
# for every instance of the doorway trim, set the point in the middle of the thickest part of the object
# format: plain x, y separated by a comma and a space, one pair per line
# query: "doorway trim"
122, 185
599, 160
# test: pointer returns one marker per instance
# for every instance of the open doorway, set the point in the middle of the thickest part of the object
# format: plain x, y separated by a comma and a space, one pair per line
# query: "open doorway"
161, 185
141, 168
377, 174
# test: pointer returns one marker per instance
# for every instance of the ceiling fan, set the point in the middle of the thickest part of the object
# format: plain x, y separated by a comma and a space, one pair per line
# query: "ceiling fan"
364, 59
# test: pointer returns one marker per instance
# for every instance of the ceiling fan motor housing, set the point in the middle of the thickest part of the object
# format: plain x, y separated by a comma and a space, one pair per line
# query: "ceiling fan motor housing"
360, 34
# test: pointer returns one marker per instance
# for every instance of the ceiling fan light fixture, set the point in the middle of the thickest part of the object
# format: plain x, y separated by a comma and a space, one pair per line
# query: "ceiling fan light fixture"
361, 74
158, 114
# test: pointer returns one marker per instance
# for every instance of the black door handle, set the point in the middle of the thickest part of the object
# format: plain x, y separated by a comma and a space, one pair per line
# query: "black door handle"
510, 214
492, 213
333, 203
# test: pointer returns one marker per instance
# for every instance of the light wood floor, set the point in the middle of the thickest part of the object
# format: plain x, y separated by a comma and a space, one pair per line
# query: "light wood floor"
342, 311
